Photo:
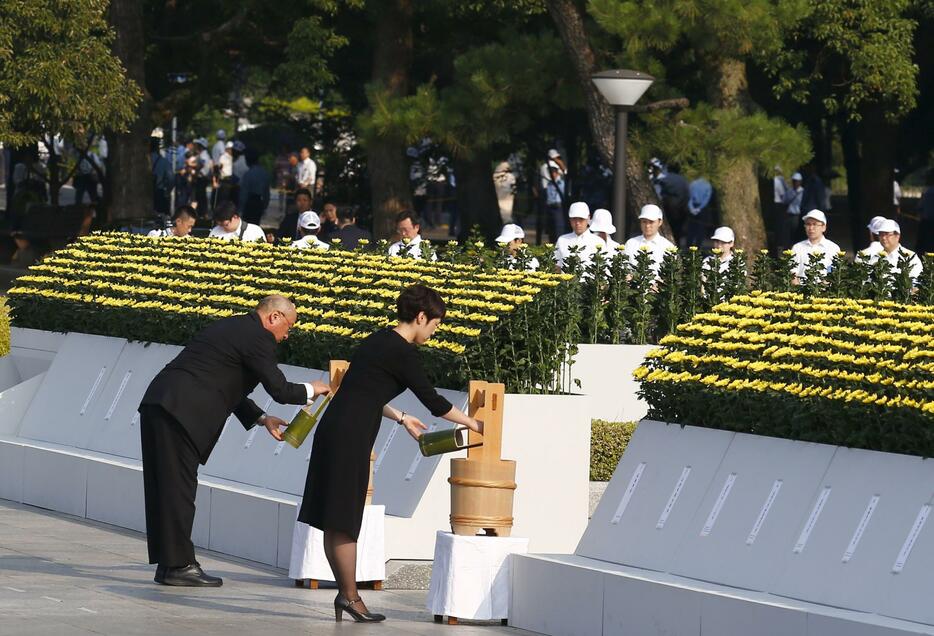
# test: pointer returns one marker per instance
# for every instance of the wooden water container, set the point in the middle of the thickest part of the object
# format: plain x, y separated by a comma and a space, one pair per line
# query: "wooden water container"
481, 496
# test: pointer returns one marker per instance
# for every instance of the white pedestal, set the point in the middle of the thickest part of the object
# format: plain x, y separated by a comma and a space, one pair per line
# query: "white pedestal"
309, 562
470, 578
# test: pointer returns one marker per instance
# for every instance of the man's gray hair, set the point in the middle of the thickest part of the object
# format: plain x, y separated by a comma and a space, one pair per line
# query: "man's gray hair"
275, 302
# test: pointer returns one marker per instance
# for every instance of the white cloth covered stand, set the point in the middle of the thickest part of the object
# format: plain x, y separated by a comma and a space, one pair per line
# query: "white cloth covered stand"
470, 578
309, 562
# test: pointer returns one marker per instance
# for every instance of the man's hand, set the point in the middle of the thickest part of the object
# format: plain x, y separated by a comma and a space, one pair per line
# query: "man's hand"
273, 424
321, 388
414, 426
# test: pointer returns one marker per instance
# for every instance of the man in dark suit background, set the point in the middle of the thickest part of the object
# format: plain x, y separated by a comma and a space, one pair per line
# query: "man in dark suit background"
347, 230
182, 415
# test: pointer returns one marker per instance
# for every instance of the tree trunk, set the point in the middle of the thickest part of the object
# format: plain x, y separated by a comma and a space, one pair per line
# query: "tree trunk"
877, 157
570, 25
849, 140
130, 174
739, 189
476, 195
386, 161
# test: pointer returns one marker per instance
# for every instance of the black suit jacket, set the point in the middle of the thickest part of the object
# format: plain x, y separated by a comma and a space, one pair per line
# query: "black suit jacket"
213, 375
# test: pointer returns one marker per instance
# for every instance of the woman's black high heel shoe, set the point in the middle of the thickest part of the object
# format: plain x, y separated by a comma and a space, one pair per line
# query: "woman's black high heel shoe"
342, 605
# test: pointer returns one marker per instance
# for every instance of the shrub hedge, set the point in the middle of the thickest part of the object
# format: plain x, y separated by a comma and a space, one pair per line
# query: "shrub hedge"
608, 440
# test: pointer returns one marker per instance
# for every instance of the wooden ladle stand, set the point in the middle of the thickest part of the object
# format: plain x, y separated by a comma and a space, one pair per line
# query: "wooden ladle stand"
483, 484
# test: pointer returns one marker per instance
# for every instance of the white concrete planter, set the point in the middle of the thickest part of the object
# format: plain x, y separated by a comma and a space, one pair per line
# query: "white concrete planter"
605, 375
69, 441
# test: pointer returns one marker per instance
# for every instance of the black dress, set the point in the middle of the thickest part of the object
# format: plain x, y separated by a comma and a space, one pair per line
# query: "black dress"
383, 366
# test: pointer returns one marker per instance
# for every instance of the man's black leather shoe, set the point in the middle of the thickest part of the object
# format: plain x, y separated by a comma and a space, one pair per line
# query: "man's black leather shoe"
160, 574
190, 576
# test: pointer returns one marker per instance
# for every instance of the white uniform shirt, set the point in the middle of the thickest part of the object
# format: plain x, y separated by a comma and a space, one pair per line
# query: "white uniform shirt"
875, 248
804, 249
307, 170
166, 233
252, 233
724, 262
895, 255
588, 244
207, 165
658, 245
415, 248
531, 267
226, 164
896, 193
218, 151
779, 188
310, 241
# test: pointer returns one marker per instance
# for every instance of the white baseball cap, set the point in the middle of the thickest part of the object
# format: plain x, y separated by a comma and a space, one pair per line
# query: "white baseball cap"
602, 222
510, 232
579, 210
723, 234
888, 225
796, 176
309, 220
651, 212
817, 215
874, 224
553, 153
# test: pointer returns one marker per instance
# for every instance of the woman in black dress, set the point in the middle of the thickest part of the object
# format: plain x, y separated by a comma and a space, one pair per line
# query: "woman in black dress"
383, 366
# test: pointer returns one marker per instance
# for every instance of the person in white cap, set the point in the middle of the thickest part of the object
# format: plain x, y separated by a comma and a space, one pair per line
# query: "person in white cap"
512, 238
650, 220
875, 247
790, 222
309, 224
602, 226
554, 160
723, 240
580, 237
890, 236
815, 224
217, 151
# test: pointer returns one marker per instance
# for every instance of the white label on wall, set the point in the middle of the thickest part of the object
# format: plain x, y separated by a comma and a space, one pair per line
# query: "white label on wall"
418, 456
911, 538
812, 520
630, 489
385, 448
679, 486
97, 383
135, 420
279, 448
113, 405
718, 504
773, 494
251, 437
861, 528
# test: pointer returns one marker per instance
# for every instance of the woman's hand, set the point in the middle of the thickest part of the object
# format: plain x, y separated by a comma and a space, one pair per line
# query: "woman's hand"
414, 426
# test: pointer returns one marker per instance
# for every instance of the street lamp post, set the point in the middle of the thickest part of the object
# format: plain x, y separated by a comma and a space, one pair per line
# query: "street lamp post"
622, 89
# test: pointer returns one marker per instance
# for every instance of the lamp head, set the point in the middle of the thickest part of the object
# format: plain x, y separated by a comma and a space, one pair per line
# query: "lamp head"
622, 87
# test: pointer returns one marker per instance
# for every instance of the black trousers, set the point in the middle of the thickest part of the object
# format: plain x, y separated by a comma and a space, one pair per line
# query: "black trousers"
170, 481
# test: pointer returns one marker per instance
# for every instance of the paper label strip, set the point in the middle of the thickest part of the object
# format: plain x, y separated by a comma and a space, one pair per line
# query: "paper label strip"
97, 383
113, 405
812, 520
382, 452
718, 504
913, 534
861, 528
773, 494
630, 489
673, 499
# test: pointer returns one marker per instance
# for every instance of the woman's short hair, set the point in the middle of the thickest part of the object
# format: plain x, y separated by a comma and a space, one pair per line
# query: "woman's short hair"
419, 298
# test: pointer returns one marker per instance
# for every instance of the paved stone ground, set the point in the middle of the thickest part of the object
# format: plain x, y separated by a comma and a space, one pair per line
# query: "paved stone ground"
62, 575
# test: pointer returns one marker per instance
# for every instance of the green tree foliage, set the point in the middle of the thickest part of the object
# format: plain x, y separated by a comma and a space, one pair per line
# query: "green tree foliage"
57, 73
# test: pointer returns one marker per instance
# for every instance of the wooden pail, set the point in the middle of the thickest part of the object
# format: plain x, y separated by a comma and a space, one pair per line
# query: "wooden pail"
481, 496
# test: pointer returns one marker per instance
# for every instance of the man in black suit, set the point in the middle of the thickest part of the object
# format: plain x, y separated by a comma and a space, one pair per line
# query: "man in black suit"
288, 229
182, 415
347, 230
